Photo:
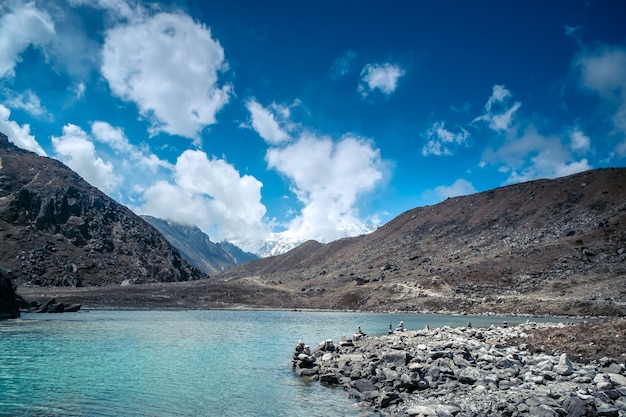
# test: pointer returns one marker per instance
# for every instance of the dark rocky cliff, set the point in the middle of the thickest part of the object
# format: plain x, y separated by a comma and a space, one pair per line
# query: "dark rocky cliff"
57, 230
8, 306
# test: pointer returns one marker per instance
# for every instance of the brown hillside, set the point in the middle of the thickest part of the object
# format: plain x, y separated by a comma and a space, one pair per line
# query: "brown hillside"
547, 246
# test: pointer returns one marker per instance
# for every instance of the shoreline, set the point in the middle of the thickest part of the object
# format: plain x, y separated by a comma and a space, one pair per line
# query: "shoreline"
95, 298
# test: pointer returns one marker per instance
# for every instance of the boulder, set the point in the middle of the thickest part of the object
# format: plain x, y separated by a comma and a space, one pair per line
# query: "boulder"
9, 308
564, 367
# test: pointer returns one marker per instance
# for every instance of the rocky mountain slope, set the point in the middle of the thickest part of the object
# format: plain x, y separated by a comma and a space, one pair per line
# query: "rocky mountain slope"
544, 246
197, 249
236, 252
57, 230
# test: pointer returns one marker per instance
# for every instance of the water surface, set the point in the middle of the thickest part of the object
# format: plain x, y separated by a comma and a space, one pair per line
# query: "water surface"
179, 363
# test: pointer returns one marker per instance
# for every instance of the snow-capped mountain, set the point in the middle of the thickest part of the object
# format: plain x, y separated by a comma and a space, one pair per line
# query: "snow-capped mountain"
281, 242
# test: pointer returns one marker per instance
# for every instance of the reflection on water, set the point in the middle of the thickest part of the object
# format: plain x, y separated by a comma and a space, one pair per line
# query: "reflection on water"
178, 363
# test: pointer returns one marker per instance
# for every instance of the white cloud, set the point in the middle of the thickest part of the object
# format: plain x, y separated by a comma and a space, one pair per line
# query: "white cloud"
380, 77
328, 178
27, 101
211, 194
498, 114
533, 155
76, 149
342, 65
168, 65
114, 137
19, 135
579, 142
603, 72
441, 140
21, 26
132, 155
458, 188
265, 124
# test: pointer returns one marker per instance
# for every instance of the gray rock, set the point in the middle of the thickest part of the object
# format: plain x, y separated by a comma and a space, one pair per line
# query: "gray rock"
564, 366
576, 407
617, 379
363, 385
421, 410
542, 411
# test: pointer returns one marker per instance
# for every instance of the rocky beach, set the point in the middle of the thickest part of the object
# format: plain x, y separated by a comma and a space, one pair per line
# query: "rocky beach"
465, 371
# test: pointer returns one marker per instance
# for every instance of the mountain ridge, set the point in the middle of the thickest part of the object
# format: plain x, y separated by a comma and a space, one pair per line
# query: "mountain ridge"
197, 248
58, 230
552, 238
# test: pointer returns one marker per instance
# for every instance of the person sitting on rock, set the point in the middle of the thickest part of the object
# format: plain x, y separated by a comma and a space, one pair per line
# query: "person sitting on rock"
390, 330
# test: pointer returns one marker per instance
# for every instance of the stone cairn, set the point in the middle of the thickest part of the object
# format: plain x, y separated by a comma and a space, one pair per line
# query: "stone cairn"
465, 372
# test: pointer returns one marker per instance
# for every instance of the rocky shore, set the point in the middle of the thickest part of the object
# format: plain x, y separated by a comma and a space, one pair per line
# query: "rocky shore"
465, 371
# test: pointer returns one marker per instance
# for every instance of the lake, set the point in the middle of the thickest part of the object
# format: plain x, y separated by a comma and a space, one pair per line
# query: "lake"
180, 363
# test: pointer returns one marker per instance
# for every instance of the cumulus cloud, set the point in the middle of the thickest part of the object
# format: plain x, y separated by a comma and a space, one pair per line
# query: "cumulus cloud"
168, 65
498, 113
76, 149
441, 141
211, 194
19, 135
328, 178
602, 71
532, 155
22, 25
459, 188
264, 121
383, 78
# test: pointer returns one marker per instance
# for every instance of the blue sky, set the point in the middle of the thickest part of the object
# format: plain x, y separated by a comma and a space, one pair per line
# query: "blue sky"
313, 121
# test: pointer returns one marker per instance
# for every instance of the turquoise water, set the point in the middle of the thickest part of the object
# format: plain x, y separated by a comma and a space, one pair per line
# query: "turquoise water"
178, 363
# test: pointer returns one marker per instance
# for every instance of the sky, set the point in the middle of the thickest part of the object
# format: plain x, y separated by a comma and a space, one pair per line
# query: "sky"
312, 120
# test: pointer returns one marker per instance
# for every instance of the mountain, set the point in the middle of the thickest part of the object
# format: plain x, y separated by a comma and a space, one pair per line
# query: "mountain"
57, 230
535, 247
196, 247
236, 252
282, 242
277, 244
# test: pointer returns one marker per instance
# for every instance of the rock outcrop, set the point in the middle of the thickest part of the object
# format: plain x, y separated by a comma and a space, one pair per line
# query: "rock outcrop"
9, 308
469, 372
57, 230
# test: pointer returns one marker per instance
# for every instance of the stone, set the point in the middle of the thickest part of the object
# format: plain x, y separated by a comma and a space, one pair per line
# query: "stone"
363, 385
542, 411
421, 410
329, 379
577, 407
470, 375
617, 379
564, 367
